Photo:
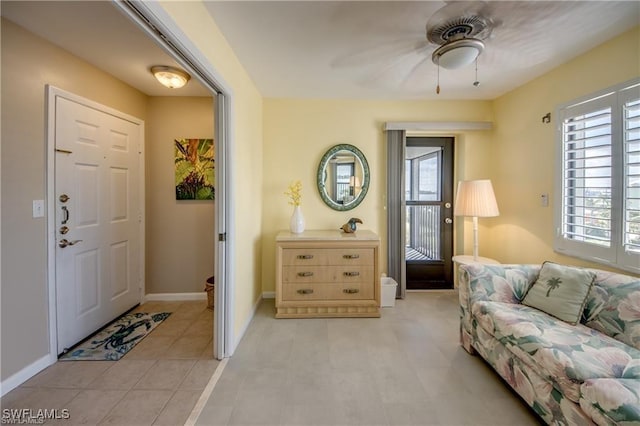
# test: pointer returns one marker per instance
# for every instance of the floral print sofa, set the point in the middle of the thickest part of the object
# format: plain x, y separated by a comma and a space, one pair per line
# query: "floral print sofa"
569, 374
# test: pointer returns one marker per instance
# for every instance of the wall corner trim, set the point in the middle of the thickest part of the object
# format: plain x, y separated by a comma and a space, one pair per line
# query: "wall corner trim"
437, 125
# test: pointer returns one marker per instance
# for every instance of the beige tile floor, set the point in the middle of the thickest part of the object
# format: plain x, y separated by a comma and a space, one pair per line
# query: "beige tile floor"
406, 368
157, 383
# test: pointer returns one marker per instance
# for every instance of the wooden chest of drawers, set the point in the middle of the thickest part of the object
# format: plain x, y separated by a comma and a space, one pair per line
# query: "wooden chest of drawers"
327, 274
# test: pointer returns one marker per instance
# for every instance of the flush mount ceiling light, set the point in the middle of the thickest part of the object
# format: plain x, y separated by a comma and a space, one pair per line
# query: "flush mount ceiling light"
170, 77
457, 53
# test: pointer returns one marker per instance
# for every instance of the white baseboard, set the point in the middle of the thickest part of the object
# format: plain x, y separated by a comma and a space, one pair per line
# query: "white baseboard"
25, 374
268, 294
174, 297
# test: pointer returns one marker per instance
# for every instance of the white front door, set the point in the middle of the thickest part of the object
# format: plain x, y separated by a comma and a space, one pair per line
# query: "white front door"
97, 218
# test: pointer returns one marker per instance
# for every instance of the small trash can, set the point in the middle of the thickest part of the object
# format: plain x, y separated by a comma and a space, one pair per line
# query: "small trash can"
210, 289
388, 292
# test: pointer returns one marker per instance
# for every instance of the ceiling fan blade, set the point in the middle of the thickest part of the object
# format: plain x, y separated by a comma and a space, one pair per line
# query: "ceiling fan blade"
379, 53
397, 72
414, 78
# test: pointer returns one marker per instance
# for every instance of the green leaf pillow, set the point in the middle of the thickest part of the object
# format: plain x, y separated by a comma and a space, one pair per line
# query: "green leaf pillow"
560, 291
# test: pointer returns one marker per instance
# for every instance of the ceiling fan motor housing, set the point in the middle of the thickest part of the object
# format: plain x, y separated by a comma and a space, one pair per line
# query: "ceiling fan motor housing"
463, 27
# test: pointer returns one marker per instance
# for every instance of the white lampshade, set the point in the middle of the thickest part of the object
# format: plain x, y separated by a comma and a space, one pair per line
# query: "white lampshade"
457, 53
170, 77
476, 198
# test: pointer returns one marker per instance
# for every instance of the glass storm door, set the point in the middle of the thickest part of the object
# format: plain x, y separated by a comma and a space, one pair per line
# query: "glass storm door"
428, 205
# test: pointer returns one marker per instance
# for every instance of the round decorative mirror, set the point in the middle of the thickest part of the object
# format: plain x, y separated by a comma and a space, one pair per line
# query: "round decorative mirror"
343, 177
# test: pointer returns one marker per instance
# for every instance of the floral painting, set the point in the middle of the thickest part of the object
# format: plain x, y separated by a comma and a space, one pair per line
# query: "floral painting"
195, 165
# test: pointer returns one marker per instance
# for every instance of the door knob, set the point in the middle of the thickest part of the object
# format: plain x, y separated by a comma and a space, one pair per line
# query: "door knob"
448, 221
64, 242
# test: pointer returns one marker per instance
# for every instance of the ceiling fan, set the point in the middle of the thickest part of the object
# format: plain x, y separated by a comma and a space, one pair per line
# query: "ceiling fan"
454, 38
459, 30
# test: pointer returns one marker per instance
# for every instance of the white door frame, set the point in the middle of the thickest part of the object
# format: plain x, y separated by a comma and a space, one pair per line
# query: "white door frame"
51, 94
154, 20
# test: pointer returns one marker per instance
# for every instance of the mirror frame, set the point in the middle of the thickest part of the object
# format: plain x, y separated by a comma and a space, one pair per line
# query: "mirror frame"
320, 178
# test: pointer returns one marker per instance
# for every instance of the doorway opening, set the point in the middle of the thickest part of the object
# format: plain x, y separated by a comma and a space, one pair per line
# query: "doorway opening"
152, 19
145, 19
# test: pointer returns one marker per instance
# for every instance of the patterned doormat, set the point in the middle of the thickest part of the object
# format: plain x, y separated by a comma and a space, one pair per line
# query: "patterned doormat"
115, 340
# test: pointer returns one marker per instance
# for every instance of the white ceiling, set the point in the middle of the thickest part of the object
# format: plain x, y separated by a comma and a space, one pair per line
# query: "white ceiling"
327, 49
101, 35
324, 49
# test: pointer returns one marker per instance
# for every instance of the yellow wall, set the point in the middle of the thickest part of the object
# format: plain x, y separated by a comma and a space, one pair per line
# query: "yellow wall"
297, 133
523, 157
28, 64
180, 234
246, 152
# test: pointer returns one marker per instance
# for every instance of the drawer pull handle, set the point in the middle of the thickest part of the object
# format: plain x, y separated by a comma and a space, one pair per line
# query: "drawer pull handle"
305, 256
352, 274
305, 274
351, 290
351, 256
305, 291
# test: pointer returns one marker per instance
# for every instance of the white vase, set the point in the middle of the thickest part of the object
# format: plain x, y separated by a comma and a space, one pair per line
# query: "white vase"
296, 225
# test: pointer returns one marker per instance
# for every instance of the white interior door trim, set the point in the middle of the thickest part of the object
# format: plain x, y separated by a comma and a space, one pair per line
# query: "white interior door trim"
156, 22
50, 100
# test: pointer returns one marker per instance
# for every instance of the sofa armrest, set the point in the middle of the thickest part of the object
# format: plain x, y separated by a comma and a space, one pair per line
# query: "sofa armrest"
498, 283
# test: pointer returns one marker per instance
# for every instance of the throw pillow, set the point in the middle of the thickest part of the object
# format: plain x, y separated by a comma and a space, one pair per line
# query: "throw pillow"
560, 291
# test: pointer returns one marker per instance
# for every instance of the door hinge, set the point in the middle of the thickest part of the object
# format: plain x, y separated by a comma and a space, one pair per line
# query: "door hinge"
222, 237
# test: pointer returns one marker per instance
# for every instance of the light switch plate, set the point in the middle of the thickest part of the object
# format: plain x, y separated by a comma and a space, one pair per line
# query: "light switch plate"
38, 208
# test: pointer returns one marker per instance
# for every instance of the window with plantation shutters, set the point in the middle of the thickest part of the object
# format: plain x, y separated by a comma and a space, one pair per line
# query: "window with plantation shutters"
632, 176
598, 178
587, 177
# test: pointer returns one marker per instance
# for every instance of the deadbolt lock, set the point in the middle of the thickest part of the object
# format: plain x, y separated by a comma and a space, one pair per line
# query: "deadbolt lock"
64, 198
64, 229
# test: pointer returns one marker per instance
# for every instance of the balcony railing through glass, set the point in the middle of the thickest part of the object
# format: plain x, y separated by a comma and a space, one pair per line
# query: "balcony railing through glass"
423, 232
